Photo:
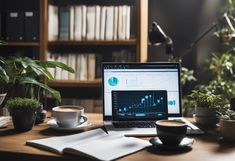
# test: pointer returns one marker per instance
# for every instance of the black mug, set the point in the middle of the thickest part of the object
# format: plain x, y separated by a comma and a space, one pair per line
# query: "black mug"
171, 132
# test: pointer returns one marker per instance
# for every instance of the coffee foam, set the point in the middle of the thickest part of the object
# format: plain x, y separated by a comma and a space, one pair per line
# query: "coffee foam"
170, 123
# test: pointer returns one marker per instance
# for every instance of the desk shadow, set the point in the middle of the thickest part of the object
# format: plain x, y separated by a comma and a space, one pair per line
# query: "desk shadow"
225, 146
162, 151
8, 132
53, 132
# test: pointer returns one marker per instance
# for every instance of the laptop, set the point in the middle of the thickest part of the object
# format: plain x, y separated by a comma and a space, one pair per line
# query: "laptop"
128, 89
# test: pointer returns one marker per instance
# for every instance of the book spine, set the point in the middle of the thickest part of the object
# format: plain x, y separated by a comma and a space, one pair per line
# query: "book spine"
64, 23
84, 11
78, 66
102, 23
58, 70
53, 22
83, 69
128, 14
90, 23
78, 23
109, 24
97, 22
72, 63
91, 66
115, 25
71, 12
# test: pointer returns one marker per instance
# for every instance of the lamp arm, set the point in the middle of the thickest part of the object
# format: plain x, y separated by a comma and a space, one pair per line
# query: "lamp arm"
214, 25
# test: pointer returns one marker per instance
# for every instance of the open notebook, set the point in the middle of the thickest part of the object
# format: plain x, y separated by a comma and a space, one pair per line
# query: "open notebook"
95, 143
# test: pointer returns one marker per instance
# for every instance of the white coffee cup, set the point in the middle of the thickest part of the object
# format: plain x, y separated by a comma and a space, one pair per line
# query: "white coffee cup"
68, 116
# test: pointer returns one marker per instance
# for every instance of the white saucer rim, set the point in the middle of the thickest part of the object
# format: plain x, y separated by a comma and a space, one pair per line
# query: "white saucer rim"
79, 127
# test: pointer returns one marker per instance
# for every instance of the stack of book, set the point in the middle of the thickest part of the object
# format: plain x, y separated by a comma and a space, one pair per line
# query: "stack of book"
83, 64
86, 65
96, 22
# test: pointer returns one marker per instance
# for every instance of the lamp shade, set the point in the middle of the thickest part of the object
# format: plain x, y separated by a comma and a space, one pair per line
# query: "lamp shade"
156, 34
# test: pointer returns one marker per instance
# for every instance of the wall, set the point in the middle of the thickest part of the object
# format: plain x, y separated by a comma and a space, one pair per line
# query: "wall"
184, 21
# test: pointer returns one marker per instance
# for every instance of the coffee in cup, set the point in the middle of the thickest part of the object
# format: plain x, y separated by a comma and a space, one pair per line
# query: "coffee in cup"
171, 132
68, 116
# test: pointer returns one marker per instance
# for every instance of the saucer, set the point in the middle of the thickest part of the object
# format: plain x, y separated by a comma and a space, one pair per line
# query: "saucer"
52, 124
185, 143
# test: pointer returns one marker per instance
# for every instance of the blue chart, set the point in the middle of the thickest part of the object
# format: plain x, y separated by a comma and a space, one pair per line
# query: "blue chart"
139, 104
113, 81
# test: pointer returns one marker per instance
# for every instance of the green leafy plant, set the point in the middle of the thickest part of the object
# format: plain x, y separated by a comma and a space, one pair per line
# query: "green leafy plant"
22, 104
187, 75
226, 30
228, 114
205, 99
27, 76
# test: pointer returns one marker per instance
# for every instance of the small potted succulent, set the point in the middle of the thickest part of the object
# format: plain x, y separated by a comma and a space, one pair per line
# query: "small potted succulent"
227, 125
23, 111
207, 106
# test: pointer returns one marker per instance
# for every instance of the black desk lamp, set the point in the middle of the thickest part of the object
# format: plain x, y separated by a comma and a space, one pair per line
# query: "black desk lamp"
158, 37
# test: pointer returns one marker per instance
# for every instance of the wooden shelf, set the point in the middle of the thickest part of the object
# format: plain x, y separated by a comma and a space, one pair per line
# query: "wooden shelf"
94, 42
75, 83
21, 44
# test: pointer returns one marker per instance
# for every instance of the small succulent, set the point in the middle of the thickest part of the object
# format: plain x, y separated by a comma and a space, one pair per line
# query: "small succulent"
22, 104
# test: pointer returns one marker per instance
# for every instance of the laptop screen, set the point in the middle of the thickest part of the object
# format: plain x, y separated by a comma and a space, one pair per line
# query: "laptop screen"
139, 105
142, 76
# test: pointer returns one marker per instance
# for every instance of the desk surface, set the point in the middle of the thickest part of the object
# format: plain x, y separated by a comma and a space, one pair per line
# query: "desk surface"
206, 148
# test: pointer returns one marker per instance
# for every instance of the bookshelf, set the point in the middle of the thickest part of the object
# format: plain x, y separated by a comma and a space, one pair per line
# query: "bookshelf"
136, 44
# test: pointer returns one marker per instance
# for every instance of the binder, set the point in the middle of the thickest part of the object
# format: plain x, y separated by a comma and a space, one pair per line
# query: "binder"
31, 26
15, 26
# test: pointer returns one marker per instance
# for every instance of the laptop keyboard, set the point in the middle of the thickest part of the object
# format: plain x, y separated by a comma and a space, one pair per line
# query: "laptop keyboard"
139, 124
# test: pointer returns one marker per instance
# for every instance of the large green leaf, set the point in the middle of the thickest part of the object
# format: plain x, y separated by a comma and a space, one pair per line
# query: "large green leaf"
28, 80
54, 64
30, 65
3, 75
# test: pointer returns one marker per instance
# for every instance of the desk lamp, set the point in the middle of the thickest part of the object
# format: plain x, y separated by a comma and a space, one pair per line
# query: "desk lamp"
157, 37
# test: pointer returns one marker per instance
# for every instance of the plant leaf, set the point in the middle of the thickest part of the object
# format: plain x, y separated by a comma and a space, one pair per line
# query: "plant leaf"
54, 64
28, 80
3, 75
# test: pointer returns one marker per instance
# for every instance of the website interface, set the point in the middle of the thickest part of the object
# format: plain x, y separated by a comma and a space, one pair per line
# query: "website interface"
149, 77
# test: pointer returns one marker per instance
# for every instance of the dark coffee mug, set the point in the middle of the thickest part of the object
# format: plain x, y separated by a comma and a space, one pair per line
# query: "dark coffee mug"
171, 132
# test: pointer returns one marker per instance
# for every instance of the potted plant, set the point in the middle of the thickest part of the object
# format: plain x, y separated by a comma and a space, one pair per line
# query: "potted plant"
23, 111
227, 125
26, 77
206, 106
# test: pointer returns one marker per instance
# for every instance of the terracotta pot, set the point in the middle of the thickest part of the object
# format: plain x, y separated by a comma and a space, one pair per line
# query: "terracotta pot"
227, 129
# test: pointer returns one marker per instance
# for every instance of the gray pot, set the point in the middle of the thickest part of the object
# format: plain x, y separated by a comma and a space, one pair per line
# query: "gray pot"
206, 117
227, 129
206, 112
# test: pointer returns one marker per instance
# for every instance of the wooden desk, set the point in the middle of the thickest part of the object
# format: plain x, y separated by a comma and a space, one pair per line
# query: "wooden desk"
12, 147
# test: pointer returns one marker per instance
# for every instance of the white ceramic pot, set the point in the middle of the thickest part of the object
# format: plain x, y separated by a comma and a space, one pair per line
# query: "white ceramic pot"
227, 129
